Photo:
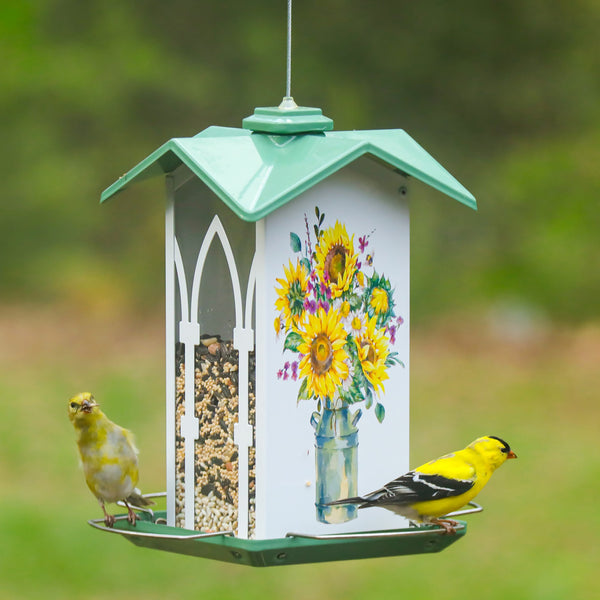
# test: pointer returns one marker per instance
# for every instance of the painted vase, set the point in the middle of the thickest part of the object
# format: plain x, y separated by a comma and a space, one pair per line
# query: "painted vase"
336, 461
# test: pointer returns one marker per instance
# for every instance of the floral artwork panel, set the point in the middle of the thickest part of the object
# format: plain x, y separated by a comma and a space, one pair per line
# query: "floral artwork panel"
337, 308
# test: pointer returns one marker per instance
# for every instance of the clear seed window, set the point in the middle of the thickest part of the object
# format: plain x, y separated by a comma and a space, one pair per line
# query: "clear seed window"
216, 458
207, 398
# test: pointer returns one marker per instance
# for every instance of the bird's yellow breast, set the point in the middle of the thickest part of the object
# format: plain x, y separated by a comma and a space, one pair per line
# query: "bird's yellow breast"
109, 459
464, 465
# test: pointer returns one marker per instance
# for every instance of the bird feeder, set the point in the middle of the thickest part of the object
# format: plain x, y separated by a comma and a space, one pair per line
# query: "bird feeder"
287, 337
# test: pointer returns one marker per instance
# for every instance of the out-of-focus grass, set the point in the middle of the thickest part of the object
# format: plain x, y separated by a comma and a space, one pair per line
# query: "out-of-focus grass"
535, 539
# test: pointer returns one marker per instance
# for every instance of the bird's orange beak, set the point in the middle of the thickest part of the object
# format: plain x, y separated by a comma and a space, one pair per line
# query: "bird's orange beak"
511, 454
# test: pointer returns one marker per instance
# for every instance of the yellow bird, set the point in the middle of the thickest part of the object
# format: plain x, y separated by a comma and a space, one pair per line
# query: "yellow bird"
440, 486
108, 456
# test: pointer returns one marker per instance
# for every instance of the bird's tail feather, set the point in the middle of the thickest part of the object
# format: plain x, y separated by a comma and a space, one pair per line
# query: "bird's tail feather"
354, 500
136, 498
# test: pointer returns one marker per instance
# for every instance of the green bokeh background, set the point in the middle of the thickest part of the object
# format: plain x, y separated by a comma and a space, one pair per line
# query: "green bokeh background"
506, 328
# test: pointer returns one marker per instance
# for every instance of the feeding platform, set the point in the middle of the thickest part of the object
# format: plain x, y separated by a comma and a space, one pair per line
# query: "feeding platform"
151, 531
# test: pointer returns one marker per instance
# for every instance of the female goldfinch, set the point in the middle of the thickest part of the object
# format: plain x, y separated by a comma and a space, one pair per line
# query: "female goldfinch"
440, 486
108, 456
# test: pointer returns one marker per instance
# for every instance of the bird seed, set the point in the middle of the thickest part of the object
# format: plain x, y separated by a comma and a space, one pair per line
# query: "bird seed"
216, 456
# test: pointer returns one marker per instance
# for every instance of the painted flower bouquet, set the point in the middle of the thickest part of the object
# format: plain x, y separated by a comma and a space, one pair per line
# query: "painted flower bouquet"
336, 314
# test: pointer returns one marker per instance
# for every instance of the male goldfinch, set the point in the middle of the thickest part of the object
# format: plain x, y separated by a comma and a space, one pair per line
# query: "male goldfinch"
108, 456
440, 486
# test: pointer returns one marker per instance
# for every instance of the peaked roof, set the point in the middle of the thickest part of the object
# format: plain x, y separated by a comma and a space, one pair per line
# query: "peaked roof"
256, 173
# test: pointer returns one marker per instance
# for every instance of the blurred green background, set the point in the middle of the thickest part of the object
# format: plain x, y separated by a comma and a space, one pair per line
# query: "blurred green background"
506, 328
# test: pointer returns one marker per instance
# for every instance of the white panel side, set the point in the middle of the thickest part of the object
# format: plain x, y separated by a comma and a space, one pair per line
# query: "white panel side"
262, 329
376, 219
169, 351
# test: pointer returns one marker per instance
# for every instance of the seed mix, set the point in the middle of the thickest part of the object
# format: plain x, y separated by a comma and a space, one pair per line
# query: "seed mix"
216, 455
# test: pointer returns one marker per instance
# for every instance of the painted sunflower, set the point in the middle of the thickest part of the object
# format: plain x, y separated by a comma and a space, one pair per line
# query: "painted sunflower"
335, 259
323, 362
379, 299
372, 346
291, 295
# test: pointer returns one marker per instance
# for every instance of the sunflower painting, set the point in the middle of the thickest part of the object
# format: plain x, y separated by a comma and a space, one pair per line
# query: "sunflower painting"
336, 316
290, 296
324, 361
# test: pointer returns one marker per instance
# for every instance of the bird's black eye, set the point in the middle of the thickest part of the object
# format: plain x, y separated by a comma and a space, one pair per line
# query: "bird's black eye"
73, 404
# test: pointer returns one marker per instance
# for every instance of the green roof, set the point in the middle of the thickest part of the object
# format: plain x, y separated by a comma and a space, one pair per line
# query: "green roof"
255, 173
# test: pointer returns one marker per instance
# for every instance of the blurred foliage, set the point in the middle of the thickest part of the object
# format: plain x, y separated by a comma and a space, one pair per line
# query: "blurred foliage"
505, 95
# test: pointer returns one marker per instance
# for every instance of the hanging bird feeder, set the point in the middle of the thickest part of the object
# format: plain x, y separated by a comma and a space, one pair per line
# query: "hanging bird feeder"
287, 337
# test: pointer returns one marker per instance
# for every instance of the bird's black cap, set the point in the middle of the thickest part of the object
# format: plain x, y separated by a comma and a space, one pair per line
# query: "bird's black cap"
506, 448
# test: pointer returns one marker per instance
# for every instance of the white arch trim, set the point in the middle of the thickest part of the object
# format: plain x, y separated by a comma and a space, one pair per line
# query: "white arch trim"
181, 280
216, 228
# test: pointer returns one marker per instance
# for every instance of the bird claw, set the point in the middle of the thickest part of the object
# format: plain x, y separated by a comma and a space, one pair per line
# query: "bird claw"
131, 516
448, 525
109, 520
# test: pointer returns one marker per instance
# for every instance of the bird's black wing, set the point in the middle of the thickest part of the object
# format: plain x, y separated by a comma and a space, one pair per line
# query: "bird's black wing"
418, 487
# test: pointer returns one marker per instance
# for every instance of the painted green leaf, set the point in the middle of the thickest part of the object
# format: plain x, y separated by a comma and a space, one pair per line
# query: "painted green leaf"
295, 242
379, 412
355, 301
350, 346
355, 394
345, 396
306, 264
292, 341
392, 359
303, 391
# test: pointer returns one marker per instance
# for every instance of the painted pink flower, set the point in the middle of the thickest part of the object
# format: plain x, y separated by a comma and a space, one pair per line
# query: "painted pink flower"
324, 305
391, 331
310, 306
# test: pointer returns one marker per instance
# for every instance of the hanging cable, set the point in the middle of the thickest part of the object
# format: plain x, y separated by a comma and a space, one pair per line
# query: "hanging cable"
288, 82
288, 102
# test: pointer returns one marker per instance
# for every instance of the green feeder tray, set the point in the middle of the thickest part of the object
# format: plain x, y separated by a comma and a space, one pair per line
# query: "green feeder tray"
295, 548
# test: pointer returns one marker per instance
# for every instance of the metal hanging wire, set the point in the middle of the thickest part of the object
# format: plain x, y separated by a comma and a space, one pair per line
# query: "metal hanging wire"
288, 80
288, 101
